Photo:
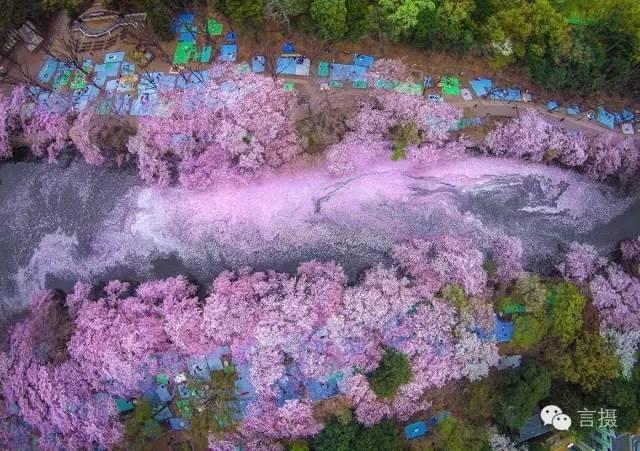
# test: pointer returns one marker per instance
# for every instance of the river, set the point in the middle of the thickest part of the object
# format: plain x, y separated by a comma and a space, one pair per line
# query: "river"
60, 224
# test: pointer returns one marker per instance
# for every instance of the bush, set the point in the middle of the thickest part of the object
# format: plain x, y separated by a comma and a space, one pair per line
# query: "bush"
393, 371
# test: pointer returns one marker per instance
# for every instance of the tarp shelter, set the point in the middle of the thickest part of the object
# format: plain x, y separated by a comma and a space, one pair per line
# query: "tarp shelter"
359, 84
163, 415
605, 118
363, 60
163, 393
624, 116
450, 86
214, 28
415, 430
289, 86
288, 47
123, 405
428, 81
573, 110
184, 51
627, 128
178, 424
127, 68
122, 103
414, 89
287, 389
347, 72
47, 70
229, 52
205, 56
258, 64
114, 57
323, 69
481, 86
230, 37
466, 94
506, 94
183, 20
293, 65
317, 389
503, 330
552, 106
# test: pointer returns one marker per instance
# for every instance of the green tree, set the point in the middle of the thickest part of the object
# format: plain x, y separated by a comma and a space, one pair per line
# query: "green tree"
141, 429
402, 16
588, 361
529, 329
244, 12
284, 10
330, 17
531, 292
454, 434
623, 396
160, 17
384, 436
455, 294
358, 18
521, 389
14, 13
336, 436
566, 311
393, 371
482, 401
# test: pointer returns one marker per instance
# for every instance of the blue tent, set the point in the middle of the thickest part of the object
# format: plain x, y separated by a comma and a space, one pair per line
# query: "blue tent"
624, 116
243, 384
182, 22
230, 36
481, 86
178, 424
229, 52
214, 359
552, 105
605, 118
506, 94
363, 60
163, 414
317, 389
258, 64
503, 330
163, 393
347, 72
573, 110
288, 47
415, 430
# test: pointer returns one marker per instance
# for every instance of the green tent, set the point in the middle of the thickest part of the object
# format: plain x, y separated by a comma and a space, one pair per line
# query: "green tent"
323, 69
162, 378
123, 405
336, 84
409, 88
184, 51
289, 86
214, 28
450, 86
62, 80
359, 84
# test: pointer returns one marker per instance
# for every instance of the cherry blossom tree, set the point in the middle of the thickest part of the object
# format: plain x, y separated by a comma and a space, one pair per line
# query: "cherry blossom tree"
442, 260
10, 113
370, 138
507, 256
234, 124
581, 262
293, 420
630, 249
47, 131
617, 297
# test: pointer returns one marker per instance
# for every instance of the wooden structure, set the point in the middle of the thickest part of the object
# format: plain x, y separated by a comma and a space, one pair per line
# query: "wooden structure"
98, 28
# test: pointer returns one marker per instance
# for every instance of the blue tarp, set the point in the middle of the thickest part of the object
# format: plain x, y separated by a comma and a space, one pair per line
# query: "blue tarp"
48, 69
481, 86
199, 77
182, 22
163, 393
163, 415
258, 64
573, 110
214, 359
288, 47
229, 52
503, 330
293, 65
243, 384
363, 60
114, 57
230, 36
287, 388
144, 104
178, 424
150, 82
552, 105
347, 72
317, 390
167, 83
624, 116
506, 94
415, 430
605, 118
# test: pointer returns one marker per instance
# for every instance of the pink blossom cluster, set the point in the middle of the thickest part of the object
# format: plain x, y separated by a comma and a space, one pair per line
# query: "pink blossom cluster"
581, 262
46, 131
369, 136
233, 124
532, 137
617, 297
389, 69
110, 341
